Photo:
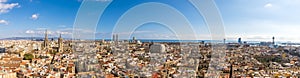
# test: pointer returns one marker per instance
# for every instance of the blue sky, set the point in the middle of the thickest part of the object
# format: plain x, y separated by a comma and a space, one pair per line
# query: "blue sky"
248, 19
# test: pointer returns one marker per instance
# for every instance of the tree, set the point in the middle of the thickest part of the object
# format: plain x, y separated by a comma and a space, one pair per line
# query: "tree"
28, 56
53, 52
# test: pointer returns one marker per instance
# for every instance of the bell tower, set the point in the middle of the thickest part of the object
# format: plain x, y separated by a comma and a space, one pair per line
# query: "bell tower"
60, 44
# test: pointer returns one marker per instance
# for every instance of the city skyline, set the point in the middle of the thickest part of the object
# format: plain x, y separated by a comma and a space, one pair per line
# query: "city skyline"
252, 21
149, 39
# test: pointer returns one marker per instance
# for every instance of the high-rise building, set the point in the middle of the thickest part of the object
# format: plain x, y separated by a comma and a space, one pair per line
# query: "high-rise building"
117, 37
240, 40
273, 42
60, 44
224, 40
113, 39
133, 40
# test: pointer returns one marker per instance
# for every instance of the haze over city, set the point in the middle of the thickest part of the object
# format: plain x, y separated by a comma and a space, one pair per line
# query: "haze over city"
250, 20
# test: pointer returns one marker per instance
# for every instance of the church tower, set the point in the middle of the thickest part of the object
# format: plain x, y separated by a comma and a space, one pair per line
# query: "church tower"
46, 41
60, 44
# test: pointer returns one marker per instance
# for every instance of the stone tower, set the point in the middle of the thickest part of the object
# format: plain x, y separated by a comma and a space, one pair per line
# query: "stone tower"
46, 41
60, 44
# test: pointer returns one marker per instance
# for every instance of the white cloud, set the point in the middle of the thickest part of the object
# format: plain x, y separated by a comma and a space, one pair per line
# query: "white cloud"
35, 16
41, 28
4, 22
6, 7
3, 0
63, 32
41, 32
62, 26
268, 5
263, 30
29, 32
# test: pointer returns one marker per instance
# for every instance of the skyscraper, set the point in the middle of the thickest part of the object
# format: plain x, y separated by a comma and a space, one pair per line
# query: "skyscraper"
117, 37
114, 37
224, 40
273, 42
240, 40
133, 40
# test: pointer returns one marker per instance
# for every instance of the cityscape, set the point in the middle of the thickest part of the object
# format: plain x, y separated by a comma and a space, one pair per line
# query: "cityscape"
149, 39
58, 58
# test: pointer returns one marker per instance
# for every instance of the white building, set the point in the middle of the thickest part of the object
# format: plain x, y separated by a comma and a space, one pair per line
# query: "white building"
8, 75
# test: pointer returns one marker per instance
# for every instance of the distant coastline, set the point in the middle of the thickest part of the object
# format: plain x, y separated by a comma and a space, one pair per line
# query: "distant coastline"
142, 40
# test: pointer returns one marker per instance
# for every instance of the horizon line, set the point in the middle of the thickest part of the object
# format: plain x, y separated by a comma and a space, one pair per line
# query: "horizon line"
229, 40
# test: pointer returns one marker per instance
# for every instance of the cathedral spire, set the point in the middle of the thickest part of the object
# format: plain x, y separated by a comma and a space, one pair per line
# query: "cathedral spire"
46, 39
